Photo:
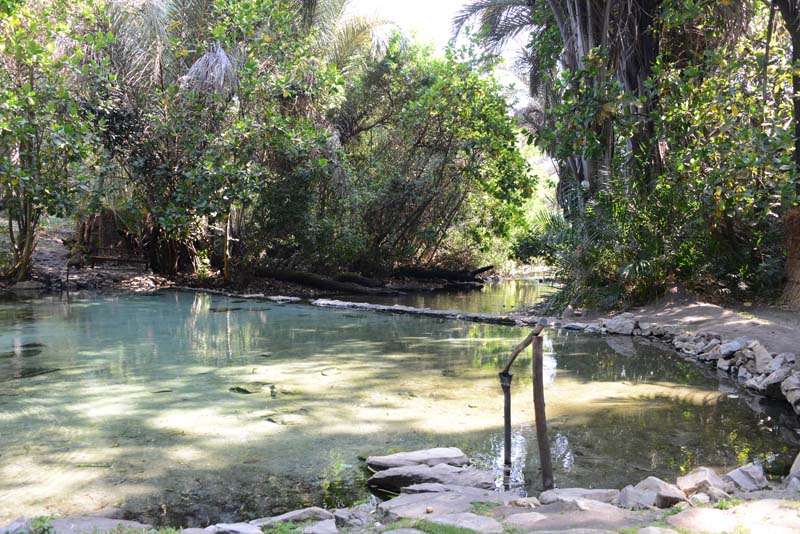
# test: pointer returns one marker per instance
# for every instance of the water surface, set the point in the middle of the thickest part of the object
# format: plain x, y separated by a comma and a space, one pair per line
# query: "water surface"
189, 408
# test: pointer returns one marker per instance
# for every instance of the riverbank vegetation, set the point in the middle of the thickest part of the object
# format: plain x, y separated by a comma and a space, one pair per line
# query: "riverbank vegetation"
254, 134
258, 135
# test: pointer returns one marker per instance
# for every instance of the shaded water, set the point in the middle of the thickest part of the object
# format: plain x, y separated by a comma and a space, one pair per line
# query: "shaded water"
495, 297
191, 408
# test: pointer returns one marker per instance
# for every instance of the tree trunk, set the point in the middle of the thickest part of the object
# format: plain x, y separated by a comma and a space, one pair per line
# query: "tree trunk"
791, 294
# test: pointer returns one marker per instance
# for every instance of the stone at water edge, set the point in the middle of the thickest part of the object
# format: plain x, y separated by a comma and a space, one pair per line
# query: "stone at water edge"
323, 527
623, 324
358, 516
749, 477
762, 357
396, 478
313, 513
633, 498
470, 521
727, 349
699, 480
233, 528
440, 455
791, 390
667, 495
570, 494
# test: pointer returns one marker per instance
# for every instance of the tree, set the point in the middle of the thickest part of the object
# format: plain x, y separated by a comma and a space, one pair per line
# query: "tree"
790, 12
45, 136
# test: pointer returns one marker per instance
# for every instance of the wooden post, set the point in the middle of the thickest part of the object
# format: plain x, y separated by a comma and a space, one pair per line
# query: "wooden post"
505, 383
545, 459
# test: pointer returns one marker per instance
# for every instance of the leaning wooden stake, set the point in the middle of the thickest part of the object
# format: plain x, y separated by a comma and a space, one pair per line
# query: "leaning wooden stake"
505, 382
545, 459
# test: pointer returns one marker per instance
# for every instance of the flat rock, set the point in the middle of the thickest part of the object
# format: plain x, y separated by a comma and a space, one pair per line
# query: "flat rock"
92, 525
323, 527
699, 480
768, 516
667, 495
470, 521
403, 531
633, 498
19, 525
415, 506
440, 455
570, 494
312, 513
233, 528
194, 531
749, 477
526, 521
703, 520
396, 478
656, 530
476, 494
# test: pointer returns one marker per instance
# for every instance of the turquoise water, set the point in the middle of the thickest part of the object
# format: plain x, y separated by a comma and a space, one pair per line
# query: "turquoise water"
186, 409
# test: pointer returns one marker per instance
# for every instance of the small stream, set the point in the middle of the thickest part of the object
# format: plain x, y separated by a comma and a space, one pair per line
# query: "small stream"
185, 409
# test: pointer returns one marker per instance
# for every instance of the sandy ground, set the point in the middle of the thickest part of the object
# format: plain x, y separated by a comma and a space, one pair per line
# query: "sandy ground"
778, 329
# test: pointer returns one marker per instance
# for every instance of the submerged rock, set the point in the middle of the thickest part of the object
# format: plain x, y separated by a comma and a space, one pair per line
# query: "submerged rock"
395, 478
440, 455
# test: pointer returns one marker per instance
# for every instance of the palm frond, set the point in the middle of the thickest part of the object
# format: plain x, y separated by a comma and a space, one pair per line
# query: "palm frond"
213, 74
500, 20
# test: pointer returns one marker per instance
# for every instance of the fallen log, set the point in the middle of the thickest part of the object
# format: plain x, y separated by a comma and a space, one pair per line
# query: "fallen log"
356, 278
437, 273
425, 312
322, 282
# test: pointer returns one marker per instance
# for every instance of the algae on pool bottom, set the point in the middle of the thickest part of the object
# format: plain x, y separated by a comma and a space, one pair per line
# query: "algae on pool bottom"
190, 406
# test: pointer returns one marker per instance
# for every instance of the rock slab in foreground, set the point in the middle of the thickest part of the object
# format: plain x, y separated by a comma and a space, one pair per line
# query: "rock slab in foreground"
666, 495
470, 521
312, 513
570, 494
89, 525
323, 527
431, 457
396, 478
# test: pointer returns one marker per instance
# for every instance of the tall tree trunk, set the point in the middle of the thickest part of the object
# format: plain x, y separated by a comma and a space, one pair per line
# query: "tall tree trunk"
790, 11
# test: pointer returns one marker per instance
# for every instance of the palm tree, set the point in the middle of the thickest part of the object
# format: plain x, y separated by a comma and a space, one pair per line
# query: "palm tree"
345, 40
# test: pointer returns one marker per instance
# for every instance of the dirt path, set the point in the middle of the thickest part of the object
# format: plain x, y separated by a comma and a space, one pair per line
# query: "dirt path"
777, 328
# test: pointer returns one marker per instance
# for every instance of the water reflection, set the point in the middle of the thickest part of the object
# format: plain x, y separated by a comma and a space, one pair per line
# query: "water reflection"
146, 410
495, 297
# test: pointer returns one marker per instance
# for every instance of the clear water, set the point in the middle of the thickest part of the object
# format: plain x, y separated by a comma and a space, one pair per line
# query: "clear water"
495, 297
185, 409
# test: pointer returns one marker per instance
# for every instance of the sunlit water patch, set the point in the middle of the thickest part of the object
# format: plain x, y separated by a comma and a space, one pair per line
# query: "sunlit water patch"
189, 409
